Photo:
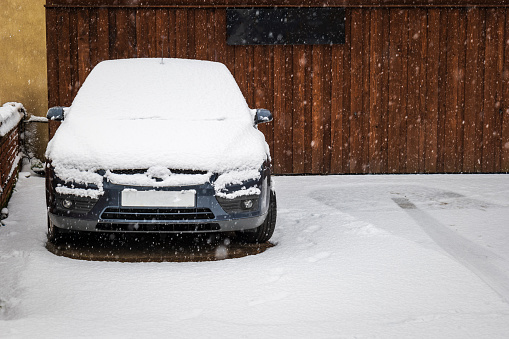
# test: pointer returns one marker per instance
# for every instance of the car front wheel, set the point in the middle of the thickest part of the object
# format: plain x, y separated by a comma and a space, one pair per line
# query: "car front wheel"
54, 234
263, 232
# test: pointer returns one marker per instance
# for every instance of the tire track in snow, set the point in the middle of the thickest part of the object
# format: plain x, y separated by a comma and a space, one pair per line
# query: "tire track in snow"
491, 268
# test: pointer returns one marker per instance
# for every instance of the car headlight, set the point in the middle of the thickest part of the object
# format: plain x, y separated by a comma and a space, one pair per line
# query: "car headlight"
239, 191
66, 203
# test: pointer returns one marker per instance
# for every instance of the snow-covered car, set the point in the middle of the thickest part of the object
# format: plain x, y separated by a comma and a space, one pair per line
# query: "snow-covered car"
160, 145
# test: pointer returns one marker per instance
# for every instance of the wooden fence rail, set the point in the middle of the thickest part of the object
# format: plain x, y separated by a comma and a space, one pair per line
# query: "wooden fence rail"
413, 90
9, 163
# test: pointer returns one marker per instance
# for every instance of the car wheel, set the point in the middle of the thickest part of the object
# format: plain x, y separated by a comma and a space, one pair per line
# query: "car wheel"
54, 234
263, 232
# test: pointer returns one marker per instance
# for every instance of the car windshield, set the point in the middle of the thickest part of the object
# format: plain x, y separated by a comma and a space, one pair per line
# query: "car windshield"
160, 89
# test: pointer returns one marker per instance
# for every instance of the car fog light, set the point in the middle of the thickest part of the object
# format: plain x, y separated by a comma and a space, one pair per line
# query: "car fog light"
247, 204
67, 203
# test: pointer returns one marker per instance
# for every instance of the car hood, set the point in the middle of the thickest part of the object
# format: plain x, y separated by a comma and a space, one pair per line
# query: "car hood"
215, 146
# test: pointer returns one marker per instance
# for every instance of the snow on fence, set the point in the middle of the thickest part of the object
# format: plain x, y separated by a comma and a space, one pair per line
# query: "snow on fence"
11, 115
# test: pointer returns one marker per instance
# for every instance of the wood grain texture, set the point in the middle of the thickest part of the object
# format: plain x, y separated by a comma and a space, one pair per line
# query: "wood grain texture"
181, 33
412, 90
488, 151
384, 75
365, 117
337, 85
460, 125
451, 112
202, 40
52, 57
326, 108
300, 60
73, 49
413, 103
308, 114
442, 90
64, 58
9, 150
347, 94
499, 95
318, 110
472, 89
504, 161
271, 3
396, 83
376, 90
357, 92
432, 102
84, 62
102, 35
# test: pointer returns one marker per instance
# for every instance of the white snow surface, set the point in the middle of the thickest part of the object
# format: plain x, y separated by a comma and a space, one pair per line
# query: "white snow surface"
166, 180
34, 118
10, 115
236, 178
72, 176
177, 89
399, 256
140, 113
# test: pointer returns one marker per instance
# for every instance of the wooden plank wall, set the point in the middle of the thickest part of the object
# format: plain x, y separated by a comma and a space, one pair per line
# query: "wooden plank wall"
9, 161
413, 90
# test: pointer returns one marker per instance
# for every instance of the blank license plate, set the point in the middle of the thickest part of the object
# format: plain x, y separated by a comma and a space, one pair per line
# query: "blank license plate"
133, 198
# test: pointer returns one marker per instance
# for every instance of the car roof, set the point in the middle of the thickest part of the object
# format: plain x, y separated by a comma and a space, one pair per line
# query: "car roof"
166, 89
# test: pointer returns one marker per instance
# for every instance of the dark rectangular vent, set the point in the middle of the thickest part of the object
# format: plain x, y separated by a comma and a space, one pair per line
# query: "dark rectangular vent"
285, 26
159, 214
129, 171
157, 227
143, 171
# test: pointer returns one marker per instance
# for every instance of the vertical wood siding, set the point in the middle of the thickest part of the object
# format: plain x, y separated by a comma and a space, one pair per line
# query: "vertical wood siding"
9, 161
415, 90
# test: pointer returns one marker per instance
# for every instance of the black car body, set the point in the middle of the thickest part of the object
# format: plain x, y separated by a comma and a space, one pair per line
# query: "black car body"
98, 179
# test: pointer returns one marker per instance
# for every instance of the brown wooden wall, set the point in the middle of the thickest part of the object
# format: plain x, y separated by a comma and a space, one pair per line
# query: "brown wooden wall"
413, 90
9, 163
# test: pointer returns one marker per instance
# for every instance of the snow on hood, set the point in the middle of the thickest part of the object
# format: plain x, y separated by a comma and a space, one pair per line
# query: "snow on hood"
215, 146
140, 113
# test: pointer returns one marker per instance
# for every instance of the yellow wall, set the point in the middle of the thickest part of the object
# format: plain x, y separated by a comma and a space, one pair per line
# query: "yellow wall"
23, 57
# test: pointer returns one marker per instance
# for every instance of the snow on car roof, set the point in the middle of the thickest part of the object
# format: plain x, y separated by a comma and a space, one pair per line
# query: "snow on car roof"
139, 113
166, 89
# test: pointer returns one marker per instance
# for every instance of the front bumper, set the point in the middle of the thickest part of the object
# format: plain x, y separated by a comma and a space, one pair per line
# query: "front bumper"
76, 224
107, 214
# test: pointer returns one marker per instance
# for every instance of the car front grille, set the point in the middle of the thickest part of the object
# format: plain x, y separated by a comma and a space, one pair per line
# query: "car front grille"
116, 227
84, 206
157, 214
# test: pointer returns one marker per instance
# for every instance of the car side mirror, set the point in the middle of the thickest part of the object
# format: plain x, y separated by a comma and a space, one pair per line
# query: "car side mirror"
262, 115
55, 113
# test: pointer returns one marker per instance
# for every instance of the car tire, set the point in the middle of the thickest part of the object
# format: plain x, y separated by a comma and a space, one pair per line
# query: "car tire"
54, 234
263, 232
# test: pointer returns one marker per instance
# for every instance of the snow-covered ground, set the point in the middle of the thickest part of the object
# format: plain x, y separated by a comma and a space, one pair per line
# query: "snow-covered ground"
356, 256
